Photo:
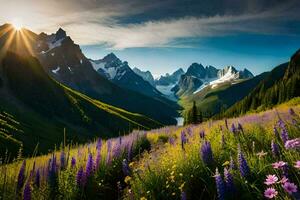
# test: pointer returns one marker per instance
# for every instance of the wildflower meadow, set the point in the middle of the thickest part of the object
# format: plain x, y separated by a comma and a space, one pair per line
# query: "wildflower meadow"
256, 156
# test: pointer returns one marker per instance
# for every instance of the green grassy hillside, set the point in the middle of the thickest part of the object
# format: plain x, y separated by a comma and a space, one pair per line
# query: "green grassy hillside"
34, 109
215, 100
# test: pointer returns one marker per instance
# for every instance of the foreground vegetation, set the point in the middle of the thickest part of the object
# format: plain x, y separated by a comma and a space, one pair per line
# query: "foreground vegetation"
251, 157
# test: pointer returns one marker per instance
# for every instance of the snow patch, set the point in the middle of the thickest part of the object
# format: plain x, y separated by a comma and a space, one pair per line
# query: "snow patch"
166, 90
56, 70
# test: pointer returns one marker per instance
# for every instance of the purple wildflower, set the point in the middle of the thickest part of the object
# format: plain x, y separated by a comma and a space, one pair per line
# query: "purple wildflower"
80, 178
27, 191
98, 160
125, 168
37, 179
233, 129
99, 144
243, 165
129, 150
220, 185
293, 144
172, 140
202, 134
62, 159
52, 173
231, 165
183, 196
275, 149
291, 111
206, 153
21, 176
73, 162
89, 166
116, 150
271, 179
230, 188
284, 134
290, 187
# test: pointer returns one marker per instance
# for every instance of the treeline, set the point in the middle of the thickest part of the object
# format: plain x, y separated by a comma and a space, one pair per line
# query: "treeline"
194, 115
282, 84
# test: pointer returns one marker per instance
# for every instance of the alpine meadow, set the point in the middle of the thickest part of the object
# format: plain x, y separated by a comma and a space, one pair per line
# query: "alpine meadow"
149, 100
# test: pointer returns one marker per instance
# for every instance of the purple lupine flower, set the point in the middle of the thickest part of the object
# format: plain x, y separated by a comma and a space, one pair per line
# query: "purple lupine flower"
89, 166
62, 160
291, 111
80, 178
226, 124
172, 140
108, 143
280, 123
27, 191
220, 185
240, 127
275, 149
37, 179
243, 165
231, 165
190, 131
206, 153
125, 168
293, 144
202, 134
73, 162
284, 134
230, 188
183, 139
52, 172
116, 152
183, 196
99, 144
233, 129
98, 160
21, 176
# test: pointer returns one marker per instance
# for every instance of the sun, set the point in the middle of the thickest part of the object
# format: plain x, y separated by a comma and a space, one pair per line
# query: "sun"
17, 25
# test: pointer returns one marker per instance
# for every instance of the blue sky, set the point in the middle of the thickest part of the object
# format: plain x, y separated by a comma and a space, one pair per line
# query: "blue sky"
258, 53
163, 35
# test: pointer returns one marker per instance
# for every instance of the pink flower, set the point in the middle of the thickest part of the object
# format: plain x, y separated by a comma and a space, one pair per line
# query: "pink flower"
297, 164
279, 165
270, 193
284, 180
290, 187
271, 179
292, 144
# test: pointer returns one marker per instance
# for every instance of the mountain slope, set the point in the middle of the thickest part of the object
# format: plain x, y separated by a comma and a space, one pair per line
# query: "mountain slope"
63, 60
215, 100
170, 79
35, 109
280, 85
146, 75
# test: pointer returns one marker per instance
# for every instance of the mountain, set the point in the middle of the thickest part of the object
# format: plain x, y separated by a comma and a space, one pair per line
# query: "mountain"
63, 60
213, 100
35, 109
209, 75
282, 84
187, 84
118, 72
169, 79
146, 75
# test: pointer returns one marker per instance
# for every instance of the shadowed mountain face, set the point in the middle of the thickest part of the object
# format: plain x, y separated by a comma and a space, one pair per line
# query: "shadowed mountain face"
282, 84
36, 109
63, 60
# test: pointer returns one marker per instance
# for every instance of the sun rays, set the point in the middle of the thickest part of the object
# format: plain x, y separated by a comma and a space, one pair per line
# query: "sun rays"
15, 38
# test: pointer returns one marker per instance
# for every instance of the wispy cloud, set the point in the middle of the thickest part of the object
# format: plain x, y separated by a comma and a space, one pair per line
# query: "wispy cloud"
101, 22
